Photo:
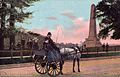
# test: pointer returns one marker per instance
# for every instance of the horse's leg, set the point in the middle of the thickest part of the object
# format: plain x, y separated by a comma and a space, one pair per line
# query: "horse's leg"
74, 64
61, 64
78, 64
61, 67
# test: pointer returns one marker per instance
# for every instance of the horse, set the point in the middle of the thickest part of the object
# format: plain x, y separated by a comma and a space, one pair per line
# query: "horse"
70, 52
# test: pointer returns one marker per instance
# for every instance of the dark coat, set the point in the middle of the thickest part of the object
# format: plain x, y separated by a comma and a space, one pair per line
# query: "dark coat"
49, 41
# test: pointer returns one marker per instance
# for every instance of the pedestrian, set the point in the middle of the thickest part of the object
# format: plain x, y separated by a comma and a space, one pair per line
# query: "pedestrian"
107, 47
84, 47
103, 47
77, 56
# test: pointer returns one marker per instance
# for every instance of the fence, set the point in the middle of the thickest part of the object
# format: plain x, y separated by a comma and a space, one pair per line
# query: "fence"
101, 49
89, 52
15, 53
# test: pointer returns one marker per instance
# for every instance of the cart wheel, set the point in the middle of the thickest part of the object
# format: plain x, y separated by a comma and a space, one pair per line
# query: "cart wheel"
40, 66
54, 69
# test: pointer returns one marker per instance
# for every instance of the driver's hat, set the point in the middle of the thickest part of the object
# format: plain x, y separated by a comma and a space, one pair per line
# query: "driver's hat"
49, 33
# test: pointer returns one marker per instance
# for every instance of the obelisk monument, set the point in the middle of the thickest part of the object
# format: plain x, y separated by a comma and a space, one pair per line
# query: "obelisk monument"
92, 40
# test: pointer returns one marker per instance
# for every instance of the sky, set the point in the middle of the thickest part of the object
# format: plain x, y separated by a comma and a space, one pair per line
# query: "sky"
67, 20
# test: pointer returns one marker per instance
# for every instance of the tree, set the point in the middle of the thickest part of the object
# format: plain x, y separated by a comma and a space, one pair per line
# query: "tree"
15, 13
108, 12
2, 16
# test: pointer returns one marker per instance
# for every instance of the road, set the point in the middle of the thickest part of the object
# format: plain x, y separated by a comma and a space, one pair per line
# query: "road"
90, 68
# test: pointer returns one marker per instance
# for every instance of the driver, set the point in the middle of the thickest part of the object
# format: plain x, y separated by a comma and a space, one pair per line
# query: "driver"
49, 41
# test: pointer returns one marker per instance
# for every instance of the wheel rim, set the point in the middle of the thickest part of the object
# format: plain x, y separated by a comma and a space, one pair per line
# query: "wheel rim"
40, 66
54, 69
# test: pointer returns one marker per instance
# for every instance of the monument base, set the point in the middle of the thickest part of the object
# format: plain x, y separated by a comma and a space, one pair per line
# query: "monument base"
92, 42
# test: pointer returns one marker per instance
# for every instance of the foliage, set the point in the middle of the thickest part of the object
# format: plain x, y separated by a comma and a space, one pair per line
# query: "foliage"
108, 11
14, 12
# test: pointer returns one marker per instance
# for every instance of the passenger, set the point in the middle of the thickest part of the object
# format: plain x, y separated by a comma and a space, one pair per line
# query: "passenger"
29, 44
35, 43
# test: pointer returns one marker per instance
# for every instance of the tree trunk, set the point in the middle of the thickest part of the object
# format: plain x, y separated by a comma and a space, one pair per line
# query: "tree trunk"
1, 32
1, 40
2, 15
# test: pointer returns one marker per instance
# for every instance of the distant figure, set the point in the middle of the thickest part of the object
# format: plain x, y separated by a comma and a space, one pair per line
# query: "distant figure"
103, 47
107, 47
12, 46
29, 44
19, 45
35, 43
23, 43
83, 48
76, 57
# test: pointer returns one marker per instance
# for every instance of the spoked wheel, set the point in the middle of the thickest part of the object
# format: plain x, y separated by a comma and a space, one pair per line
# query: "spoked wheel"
41, 66
54, 69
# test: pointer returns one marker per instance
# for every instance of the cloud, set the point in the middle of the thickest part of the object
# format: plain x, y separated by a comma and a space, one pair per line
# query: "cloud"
78, 21
69, 14
52, 18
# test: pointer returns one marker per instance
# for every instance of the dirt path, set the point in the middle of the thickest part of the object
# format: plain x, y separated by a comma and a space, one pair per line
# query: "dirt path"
92, 68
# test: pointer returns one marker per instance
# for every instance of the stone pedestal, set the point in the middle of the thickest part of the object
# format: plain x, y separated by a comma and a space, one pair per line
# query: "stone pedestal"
92, 42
